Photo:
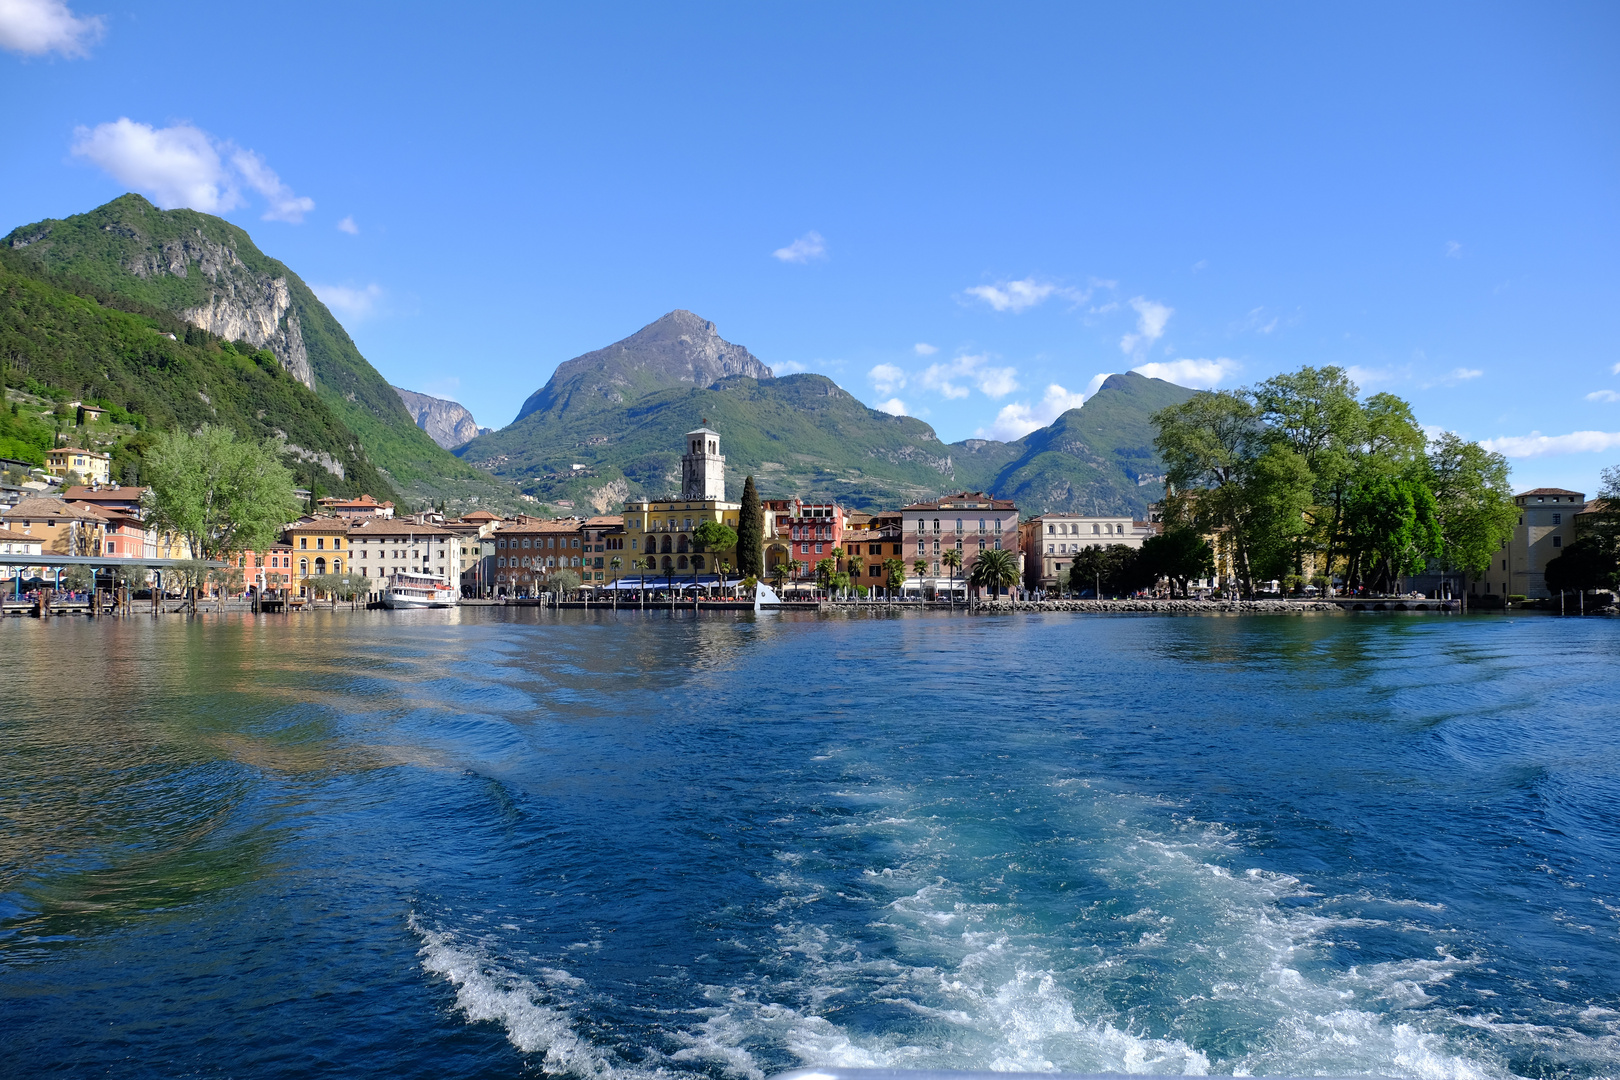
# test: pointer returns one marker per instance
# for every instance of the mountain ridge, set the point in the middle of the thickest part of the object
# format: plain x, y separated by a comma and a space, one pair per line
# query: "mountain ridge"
448, 423
608, 425
210, 273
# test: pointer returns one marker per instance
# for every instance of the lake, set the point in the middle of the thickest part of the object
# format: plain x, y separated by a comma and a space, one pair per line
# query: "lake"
491, 842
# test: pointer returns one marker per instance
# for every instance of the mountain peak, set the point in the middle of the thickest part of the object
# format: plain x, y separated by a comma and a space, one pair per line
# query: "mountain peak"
681, 348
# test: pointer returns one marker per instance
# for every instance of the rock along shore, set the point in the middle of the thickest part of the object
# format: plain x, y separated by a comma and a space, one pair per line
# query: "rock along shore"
1167, 607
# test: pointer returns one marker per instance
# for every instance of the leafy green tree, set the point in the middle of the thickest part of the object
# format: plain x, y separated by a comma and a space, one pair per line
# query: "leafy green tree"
994, 570
714, 536
825, 569
563, 581
1315, 413
1473, 502
1586, 565
857, 566
779, 574
1391, 530
750, 532
133, 577
1179, 555
1210, 444
920, 566
220, 493
78, 579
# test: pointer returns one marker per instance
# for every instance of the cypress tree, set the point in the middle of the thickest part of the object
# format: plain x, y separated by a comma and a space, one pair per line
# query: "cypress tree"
750, 533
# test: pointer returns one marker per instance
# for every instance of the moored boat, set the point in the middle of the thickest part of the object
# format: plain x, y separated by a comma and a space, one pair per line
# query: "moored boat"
418, 591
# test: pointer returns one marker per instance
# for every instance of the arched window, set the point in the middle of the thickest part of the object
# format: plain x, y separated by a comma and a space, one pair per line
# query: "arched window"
303, 568
666, 547
697, 561
682, 545
666, 563
680, 564
320, 567
337, 566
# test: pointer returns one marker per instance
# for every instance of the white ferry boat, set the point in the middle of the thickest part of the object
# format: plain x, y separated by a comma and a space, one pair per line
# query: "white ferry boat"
418, 591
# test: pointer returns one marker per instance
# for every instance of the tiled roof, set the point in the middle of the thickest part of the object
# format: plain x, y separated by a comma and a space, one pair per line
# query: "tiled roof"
964, 496
52, 508
566, 525
105, 493
605, 521
1548, 491
394, 527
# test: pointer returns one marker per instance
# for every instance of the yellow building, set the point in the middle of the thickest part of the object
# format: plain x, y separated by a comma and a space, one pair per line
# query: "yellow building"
92, 466
319, 546
658, 532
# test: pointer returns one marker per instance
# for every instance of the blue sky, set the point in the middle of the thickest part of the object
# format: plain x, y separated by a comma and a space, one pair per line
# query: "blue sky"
968, 212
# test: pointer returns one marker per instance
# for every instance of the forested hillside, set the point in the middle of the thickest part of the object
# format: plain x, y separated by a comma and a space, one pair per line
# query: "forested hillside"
62, 340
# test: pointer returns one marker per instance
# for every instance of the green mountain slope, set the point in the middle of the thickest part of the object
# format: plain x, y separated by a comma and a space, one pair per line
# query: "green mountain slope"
210, 273
68, 337
608, 426
1097, 459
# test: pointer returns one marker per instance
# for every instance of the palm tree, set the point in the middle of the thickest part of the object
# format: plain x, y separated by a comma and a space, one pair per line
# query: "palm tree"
724, 569
616, 563
779, 575
953, 559
921, 567
894, 575
994, 569
856, 566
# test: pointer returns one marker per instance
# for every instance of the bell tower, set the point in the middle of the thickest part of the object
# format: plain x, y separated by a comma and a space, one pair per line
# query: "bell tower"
703, 468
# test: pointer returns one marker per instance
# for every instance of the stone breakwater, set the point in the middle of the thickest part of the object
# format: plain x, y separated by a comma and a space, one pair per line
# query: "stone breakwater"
1168, 607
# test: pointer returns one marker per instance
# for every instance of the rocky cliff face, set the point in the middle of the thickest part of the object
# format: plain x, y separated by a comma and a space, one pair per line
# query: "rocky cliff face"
447, 423
241, 305
680, 348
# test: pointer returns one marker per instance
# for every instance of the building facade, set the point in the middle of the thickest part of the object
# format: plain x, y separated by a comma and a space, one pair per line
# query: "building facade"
659, 532
804, 533
528, 551
383, 546
1546, 524
971, 522
92, 466
1050, 542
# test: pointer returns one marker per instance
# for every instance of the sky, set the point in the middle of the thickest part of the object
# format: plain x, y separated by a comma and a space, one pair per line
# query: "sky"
971, 214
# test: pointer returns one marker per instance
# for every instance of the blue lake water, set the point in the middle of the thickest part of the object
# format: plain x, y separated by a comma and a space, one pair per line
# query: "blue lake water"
511, 842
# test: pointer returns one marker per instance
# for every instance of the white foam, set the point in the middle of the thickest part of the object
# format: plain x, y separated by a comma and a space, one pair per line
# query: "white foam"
487, 991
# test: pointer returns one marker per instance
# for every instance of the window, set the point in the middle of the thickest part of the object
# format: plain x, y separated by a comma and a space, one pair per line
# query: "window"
998, 524
303, 542
958, 524
936, 524
1096, 528
1558, 541
1558, 519
818, 549
320, 543
1051, 529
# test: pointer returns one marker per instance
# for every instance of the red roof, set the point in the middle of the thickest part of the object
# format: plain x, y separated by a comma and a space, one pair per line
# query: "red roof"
964, 496
1548, 491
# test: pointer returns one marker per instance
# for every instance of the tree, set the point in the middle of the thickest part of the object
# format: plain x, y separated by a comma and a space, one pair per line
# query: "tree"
133, 577
222, 495
779, 574
1473, 502
825, 569
713, 536
894, 575
750, 532
78, 579
1586, 565
563, 581
994, 569
1391, 530
857, 566
1178, 554
1210, 444
953, 559
920, 566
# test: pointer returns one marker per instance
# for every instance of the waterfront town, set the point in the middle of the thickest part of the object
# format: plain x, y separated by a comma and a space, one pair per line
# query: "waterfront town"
354, 547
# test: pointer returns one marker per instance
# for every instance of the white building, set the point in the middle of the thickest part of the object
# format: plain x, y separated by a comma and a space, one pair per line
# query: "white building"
1050, 542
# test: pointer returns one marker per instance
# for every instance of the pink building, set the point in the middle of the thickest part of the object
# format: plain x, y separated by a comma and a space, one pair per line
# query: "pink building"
969, 521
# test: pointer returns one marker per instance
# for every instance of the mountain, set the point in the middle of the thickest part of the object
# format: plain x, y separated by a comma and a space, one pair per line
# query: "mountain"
208, 272
447, 423
63, 339
608, 425
680, 349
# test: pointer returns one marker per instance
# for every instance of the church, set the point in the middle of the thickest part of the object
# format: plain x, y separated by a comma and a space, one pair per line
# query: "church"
658, 532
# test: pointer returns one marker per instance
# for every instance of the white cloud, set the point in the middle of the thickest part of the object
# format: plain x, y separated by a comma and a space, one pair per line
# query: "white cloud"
1615, 370
1096, 382
1463, 374
922, 348
1536, 444
1202, 374
788, 367
887, 378
1603, 395
355, 303
347, 225
37, 27
974, 369
1453, 249
1366, 378
894, 407
1151, 317
807, 247
1020, 418
1016, 296
284, 205
185, 166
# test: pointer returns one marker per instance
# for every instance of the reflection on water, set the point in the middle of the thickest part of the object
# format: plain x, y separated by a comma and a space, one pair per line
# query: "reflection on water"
481, 841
